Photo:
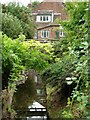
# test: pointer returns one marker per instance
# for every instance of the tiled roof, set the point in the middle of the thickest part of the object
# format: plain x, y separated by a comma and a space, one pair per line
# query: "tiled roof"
50, 25
53, 0
57, 7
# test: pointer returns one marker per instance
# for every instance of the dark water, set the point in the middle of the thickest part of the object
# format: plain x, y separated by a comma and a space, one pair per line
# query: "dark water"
24, 95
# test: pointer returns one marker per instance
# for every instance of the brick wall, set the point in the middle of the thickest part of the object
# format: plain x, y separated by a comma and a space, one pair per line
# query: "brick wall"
57, 8
52, 33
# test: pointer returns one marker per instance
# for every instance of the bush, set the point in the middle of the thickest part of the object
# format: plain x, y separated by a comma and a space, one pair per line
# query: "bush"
11, 25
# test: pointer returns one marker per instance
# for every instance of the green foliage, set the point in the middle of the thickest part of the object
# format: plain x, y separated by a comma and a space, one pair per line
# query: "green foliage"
23, 15
56, 74
20, 55
35, 4
67, 114
78, 46
39, 56
72, 57
11, 25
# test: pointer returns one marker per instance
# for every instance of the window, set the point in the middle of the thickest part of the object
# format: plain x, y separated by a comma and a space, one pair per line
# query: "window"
45, 34
47, 18
61, 33
43, 18
40, 18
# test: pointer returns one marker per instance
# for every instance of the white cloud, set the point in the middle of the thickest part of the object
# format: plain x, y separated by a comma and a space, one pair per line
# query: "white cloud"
24, 2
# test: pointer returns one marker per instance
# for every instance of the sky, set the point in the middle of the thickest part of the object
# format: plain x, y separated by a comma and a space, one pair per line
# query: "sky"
24, 2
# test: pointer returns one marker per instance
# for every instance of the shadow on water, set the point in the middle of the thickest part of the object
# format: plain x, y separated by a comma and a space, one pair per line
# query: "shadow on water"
24, 96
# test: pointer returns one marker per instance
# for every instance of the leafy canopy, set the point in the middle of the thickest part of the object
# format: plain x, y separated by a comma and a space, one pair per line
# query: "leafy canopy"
20, 55
72, 56
24, 20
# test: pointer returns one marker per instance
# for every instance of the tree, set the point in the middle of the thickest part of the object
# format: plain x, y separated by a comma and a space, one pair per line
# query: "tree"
19, 55
11, 25
35, 4
23, 14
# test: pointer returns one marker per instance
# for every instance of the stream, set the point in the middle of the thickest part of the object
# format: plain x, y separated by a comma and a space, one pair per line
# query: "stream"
29, 102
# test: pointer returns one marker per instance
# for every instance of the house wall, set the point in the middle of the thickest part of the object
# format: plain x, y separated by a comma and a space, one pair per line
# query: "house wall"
39, 24
51, 7
56, 10
52, 33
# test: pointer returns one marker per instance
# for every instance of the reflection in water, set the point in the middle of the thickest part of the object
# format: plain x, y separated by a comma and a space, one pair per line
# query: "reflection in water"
37, 118
36, 105
24, 99
24, 95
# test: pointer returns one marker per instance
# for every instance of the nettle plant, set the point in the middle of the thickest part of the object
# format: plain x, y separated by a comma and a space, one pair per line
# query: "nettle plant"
76, 30
71, 57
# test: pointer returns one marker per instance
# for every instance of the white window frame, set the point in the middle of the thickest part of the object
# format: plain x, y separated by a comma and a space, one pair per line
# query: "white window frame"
43, 18
47, 34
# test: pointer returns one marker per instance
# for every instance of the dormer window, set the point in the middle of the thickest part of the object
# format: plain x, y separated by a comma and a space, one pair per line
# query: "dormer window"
40, 18
43, 18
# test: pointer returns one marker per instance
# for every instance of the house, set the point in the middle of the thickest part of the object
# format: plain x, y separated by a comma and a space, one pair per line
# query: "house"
45, 15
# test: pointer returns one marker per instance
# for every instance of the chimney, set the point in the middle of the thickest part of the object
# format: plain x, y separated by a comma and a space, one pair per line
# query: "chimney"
30, 4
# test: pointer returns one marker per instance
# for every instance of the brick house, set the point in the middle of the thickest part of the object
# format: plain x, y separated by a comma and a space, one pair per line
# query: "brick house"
45, 16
